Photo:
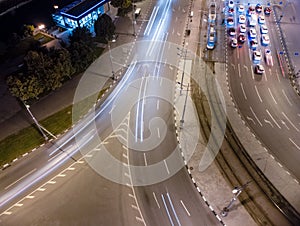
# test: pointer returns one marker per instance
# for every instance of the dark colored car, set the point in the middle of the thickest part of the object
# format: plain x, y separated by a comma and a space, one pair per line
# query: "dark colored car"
267, 11
242, 38
258, 8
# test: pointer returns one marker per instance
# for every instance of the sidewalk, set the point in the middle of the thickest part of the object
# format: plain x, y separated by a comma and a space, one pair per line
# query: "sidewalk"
213, 186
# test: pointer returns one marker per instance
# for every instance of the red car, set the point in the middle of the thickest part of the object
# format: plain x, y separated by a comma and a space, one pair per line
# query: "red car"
267, 11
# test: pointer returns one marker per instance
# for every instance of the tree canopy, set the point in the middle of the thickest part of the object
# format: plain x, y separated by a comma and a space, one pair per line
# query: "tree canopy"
104, 27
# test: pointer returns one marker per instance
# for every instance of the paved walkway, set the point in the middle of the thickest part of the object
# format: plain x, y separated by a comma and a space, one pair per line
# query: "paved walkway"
212, 184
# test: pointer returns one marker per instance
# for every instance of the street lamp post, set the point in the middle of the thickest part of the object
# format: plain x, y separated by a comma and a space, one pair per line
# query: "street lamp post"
111, 63
36, 122
133, 19
236, 192
182, 76
184, 106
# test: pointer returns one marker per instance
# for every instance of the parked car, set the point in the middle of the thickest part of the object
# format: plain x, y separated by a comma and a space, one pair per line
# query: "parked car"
253, 44
258, 8
268, 57
252, 33
267, 11
231, 31
241, 8
259, 69
242, 38
251, 10
256, 55
242, 19
265, 39
261, 19
263, 29
230, 11
230, 4
233, 43
243, 28
230, 21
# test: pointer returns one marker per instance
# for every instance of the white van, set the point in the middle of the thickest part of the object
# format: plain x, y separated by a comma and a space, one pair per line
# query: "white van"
253, 20
137, 12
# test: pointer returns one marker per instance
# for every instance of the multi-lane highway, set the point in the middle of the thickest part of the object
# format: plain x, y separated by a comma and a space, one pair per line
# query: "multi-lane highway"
268, 102
132, 171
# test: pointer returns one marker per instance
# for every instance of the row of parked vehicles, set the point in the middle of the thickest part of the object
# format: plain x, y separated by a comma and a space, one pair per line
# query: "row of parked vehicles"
211, 31
247, 22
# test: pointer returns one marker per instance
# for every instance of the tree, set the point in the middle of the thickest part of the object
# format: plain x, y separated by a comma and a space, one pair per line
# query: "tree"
27, 30
81, 34
104, 27
124, 6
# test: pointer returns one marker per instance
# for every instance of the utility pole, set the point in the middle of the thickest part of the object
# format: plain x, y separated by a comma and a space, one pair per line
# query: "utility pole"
111, 63
183, 69
236, 192
133, 19
184, 106
40, 128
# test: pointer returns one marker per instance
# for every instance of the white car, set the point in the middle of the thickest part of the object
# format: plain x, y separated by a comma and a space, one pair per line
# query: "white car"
264, 29
268, 57
261, 19
265, 39
241, 8
243, 28
252, 33
230, 4
242, 19
256, 55
233, 43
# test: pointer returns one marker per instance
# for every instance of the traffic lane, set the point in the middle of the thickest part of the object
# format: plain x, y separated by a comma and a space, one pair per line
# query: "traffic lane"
81, 197
174, 201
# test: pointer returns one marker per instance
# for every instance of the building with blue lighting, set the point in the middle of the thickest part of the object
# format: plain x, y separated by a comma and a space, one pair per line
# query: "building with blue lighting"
79, 13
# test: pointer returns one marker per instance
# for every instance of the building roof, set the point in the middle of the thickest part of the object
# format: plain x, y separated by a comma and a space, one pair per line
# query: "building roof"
79, 8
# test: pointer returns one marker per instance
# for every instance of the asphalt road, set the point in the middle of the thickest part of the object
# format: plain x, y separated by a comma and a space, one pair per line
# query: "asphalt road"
268, 102
135, 126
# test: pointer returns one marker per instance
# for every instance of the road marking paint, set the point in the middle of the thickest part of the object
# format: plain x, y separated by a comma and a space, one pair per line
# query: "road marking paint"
186, 210
130, 195
134, 207
156, 200
18, 204
163, 198
272, 96
166, 166
251, 119
30, 172
41, 189
232, 65
7, 212
125, 156
172, 206
139, 219
239, 70
273, 118
277, 75
258, 93
127, 175
243, 91
246, 68
29, 197
287, 98
61, 175
267, 121
283, 122
290, 122
145, 159
255, 116
51, 182
294, 144
112, 108
158, 132
25, 154
266, 79
157, 104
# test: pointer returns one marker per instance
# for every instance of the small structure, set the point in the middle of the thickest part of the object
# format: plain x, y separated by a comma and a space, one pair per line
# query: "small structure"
79, 13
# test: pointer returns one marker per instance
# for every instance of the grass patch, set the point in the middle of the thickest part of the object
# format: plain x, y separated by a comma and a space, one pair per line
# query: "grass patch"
42, 38
28, 138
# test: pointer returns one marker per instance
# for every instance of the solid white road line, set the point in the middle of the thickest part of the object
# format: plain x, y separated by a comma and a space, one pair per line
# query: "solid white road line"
243, 91
166, 166
173, 209
255, 116
156, 199
239, 70
258, 93
157, 104
145, 159
287, 98
273, 119
163, 198
186, 210
158, 132
290, 122
272, 96
30, 172
294, 144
